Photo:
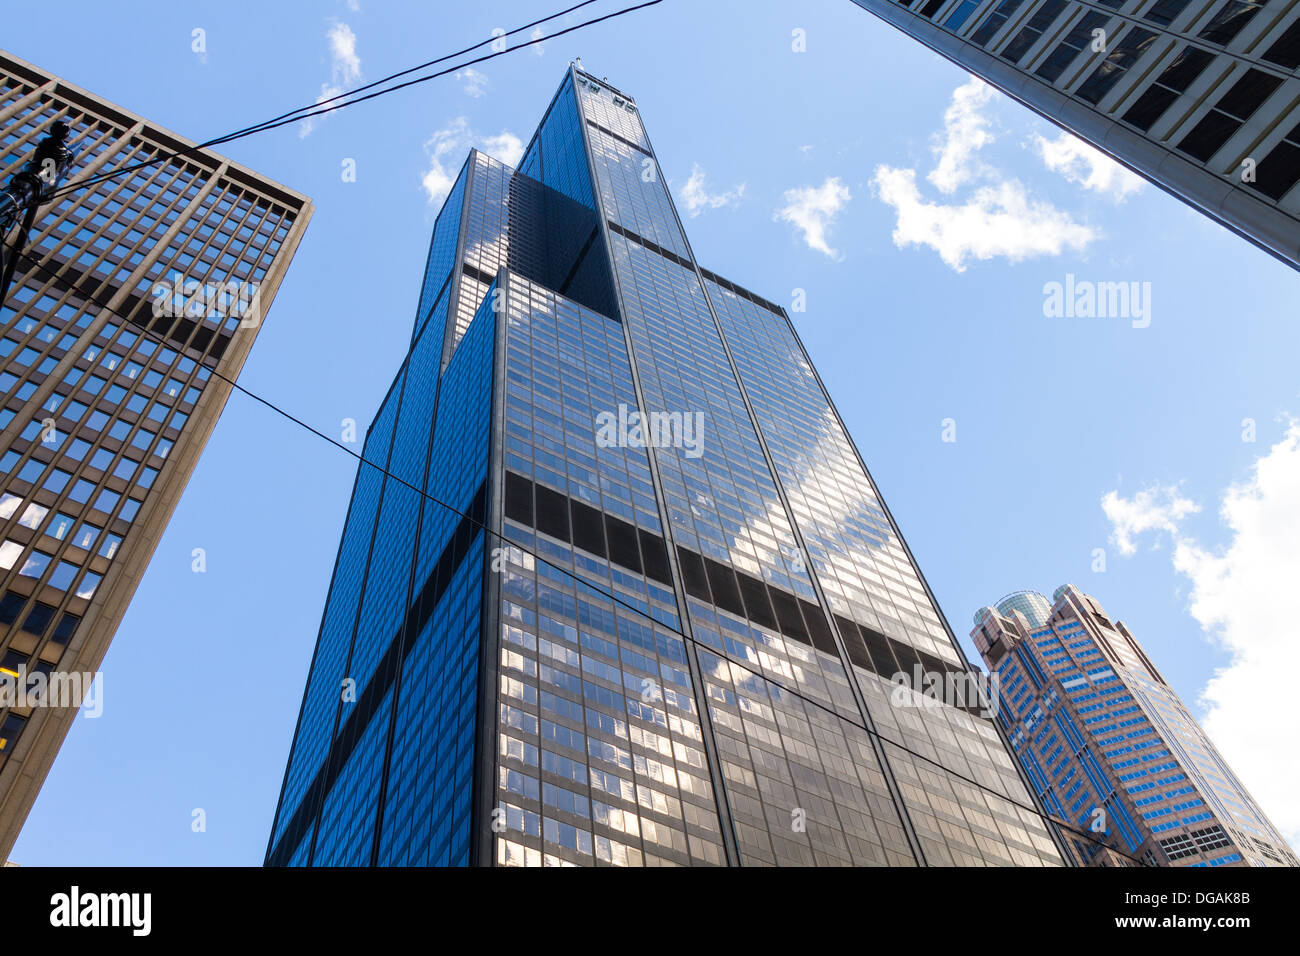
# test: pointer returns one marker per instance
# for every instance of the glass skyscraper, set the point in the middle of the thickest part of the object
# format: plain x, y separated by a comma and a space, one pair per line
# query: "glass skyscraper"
1199, 96
132, 293
677, 641
1109, 746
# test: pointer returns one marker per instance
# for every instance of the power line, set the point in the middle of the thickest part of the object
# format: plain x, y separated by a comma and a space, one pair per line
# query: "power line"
611, 595
320, 109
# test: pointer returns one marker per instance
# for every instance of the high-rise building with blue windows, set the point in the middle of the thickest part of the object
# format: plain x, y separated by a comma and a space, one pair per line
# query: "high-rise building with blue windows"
1109, 747
683, 636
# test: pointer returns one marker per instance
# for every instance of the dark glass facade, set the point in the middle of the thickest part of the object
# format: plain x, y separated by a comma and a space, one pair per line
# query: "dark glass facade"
663, 652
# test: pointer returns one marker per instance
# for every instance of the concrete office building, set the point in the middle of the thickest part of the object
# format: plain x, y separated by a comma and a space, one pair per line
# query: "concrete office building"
134, 296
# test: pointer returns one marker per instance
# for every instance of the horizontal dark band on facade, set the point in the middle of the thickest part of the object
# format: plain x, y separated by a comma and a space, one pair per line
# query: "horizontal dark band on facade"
622, 139
585, 527
651, 245
417, 615
888, 658
616, 540
606, 536
477, 274
741, 291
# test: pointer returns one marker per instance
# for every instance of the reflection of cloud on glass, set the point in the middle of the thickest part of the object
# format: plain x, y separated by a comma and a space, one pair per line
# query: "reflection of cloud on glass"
9, 552
33, 516
861, 564
35, 565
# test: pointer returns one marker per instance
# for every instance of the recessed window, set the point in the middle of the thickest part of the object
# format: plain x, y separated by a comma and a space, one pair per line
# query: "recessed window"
8, 505
1228, 22
35, 564
67, 625
82, 491
88, 585
33, 516
63, 576
11, 605
1117, 62
60, 526
10, 551
9, 731
56, 480
1164, 12
38, 619
1229, 114
77, 450
109, 546
1286, 51
32, 470
1280, 169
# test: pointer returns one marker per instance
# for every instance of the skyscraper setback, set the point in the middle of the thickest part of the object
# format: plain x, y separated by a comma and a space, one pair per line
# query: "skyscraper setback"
667, 647
136, 298
1199, 96
1109, 746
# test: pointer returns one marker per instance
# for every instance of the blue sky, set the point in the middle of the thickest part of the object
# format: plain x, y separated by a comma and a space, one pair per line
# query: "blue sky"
792, 170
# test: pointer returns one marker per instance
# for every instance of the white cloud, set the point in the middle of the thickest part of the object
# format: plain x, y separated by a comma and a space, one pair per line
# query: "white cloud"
1158, 508
966, 132
345, 65
345, 69
537, 34
698, 198
505, 146
812, 210
1089, 167
447, 148
998, 219
327, 92
472, 82
1242, 595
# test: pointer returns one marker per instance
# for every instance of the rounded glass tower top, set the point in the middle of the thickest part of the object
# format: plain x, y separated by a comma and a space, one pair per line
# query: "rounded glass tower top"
1033, 605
